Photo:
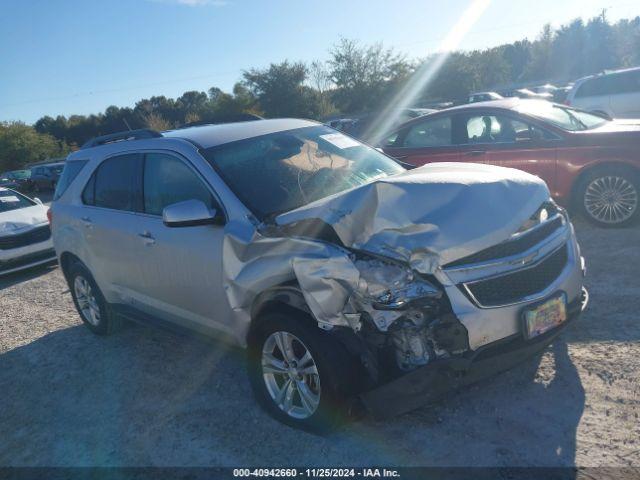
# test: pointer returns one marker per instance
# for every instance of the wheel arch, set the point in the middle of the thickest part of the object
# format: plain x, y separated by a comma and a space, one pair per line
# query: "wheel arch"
593, 167
66, 260
284, 298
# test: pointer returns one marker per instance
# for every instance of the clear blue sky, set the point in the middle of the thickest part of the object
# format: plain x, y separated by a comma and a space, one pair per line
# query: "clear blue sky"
80, 56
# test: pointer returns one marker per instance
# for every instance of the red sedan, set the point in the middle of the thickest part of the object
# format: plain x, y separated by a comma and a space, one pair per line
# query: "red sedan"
587, 161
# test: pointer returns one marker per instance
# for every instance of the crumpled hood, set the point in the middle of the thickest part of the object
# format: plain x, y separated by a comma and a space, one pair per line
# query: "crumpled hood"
431, 215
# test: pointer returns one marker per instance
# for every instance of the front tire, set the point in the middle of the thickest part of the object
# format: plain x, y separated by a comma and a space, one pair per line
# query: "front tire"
299, 374
609, 197
93, 309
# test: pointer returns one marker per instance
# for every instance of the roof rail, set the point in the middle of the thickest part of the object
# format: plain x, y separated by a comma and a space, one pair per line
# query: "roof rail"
121, 136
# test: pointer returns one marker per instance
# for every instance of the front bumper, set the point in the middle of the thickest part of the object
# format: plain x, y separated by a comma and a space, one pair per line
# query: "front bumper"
428, 383
17, 259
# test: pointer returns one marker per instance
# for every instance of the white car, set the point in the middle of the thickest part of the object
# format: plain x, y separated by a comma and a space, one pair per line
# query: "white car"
614, 94
25, 235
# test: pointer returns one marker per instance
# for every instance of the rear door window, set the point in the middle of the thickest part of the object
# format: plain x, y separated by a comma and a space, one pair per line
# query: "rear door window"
116, 184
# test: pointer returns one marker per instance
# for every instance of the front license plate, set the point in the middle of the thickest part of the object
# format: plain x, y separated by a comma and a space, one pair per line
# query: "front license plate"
545, 316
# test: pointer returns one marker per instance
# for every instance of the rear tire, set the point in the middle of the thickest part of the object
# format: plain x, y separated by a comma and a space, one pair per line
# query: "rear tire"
285, 384
610, 196
93, 309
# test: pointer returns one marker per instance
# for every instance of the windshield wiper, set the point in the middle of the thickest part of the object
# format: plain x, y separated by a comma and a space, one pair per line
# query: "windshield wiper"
577, 120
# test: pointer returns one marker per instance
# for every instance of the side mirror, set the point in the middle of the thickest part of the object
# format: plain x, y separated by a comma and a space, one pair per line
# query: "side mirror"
190, 213
38, 201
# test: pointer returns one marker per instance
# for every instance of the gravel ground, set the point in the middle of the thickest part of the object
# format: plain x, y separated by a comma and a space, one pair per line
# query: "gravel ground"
147, 397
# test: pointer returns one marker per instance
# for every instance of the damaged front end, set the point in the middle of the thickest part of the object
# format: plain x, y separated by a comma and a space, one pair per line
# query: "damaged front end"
411, 315
387, 269
393, 319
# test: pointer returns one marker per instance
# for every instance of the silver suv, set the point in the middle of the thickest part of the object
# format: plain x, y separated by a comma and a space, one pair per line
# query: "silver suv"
350, 280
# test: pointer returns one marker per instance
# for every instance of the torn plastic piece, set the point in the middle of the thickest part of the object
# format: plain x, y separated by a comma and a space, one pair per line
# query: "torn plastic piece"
390, 285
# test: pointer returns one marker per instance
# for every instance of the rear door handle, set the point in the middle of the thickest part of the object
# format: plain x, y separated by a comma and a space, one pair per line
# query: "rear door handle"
148, 238
475, 153
87, 222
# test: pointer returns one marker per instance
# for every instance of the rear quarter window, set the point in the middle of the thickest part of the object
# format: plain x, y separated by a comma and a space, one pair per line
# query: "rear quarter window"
69, 174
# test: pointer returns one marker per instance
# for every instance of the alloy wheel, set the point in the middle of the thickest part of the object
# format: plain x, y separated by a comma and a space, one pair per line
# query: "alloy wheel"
611, 199
291, 375
86, 299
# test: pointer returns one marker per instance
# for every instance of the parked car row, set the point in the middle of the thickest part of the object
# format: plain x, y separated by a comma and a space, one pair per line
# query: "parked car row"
612, 94
547, 92
38, 178
16, 180
359, 126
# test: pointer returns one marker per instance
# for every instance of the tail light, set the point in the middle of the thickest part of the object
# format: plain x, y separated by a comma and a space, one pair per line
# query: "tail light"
49, 216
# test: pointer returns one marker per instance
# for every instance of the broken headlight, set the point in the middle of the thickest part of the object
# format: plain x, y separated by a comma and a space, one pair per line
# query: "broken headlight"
391, 286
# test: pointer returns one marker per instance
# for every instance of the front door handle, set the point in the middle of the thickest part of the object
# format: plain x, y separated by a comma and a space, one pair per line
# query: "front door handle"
475, 153
86, 221
148, 238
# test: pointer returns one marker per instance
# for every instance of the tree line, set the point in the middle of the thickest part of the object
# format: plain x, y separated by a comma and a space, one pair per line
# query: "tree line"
355, 78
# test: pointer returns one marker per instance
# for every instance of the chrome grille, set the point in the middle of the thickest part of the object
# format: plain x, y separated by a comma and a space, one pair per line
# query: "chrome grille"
516, 286
35, 235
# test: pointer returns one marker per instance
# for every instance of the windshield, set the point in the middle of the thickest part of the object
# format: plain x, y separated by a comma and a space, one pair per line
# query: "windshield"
19, 174
282, 171
561, 116
13, 201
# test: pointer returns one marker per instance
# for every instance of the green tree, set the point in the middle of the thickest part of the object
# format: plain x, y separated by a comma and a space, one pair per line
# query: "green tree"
359, 78
320, 81
281, 92
600, 52
539, 67
365, 77
21, 145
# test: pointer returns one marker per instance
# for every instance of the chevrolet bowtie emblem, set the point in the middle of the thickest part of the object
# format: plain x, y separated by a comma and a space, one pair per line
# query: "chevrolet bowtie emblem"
525, 260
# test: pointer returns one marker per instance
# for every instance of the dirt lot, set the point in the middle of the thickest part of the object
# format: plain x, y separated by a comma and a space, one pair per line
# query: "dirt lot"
148, 397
